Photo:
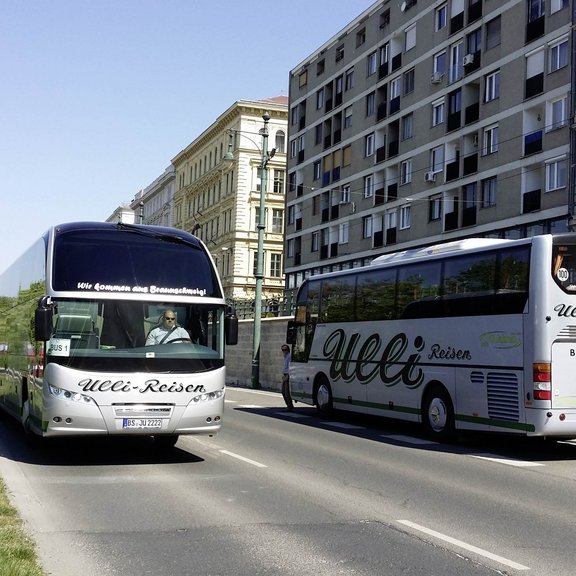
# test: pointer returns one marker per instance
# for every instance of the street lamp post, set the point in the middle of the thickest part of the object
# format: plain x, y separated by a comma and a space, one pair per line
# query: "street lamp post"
259, 275
260, 259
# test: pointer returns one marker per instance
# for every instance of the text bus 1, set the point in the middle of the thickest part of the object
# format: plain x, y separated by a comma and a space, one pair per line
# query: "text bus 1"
477, 334
75, 310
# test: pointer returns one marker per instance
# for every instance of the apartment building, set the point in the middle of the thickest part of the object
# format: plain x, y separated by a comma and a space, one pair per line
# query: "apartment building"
154, 204
428, 121
218, 179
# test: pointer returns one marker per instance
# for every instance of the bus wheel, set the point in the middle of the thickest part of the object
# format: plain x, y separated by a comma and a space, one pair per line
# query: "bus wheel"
323, 398
166, 440
438, 414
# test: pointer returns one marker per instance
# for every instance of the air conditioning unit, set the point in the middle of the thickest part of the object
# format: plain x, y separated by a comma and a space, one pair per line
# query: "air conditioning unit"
468, 59
430, 177
436, 77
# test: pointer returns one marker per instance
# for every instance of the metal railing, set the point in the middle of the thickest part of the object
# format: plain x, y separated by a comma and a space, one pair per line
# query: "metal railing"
272, 307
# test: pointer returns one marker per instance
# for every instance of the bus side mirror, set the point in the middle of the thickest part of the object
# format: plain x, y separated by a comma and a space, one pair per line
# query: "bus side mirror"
43, 320
231, 328
291, 332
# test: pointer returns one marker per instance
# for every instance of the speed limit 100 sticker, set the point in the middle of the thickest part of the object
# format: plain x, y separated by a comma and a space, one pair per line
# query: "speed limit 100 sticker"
562, 274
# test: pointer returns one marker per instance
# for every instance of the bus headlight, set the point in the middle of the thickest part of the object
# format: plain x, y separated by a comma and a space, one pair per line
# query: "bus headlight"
62, 394
208, 396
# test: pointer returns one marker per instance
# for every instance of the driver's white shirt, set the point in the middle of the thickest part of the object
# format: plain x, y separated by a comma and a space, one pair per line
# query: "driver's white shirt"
157, 334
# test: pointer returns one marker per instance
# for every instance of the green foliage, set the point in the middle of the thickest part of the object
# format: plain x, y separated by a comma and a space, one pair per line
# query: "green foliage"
17, 551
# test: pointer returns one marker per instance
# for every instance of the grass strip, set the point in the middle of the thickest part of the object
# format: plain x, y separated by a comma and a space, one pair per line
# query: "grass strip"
17, 550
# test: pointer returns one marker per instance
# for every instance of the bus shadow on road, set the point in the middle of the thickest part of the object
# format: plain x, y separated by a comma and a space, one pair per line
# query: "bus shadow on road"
411, 435
86, 451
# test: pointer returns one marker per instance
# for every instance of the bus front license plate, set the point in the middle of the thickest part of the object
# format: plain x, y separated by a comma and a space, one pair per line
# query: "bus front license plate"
147, 423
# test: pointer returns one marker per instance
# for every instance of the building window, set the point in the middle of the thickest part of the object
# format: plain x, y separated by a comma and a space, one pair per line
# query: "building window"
408, 80
372, 63
535, 9
489, 192
291, 214
320, 99
290, 248
408, 126
406, 171
279, 179
303, 79
360, 37
390, 218
369, 145
368, 186
437, 159
366, 226
395, 88
317, 168
557, 110
345, 199
435, 208
348, 117
558, 55
493, 35
349, 79
347, 155
405, 213
556, 174
410, 38
339, 53
315, 242
456, 62
343, 230
492, 86
440, 17
490, 140
439, 64
370, 104
277, 220
320, 67
276, 265
556, 5
437, 112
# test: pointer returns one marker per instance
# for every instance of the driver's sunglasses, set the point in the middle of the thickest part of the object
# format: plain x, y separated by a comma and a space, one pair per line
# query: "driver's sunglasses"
169, 318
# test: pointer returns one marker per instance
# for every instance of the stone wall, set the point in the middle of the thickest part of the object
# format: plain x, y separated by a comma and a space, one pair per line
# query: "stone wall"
239, 357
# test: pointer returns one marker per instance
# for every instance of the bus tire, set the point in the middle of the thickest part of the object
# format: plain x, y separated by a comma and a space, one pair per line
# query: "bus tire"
166, 441
323, 397
438, 414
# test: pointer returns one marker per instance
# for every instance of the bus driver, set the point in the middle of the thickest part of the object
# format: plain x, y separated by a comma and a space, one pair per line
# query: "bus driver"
167, 331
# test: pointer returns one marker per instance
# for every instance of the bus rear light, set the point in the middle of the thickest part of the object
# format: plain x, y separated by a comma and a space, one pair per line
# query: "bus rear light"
541, 381
541, 372
542, 395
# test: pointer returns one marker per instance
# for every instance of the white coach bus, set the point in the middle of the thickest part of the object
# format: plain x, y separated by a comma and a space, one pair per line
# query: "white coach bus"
75, 314
477, 334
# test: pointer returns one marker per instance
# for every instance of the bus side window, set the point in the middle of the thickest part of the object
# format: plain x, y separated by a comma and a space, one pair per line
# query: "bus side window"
376, 295
419, 290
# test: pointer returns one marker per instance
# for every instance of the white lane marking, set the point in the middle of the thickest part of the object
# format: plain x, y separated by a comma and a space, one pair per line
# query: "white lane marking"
230, 401
249, 406
465, 546
247, 460
507, 461
408, 439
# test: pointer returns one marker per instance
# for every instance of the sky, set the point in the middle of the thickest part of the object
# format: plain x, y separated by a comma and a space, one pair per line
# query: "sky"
98, 96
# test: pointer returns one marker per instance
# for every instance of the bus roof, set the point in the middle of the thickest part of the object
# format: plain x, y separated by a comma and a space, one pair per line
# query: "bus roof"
446, 247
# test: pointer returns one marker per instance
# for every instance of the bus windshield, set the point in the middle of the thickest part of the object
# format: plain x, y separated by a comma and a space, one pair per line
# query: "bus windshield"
564, 266
131, 260
112, 335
